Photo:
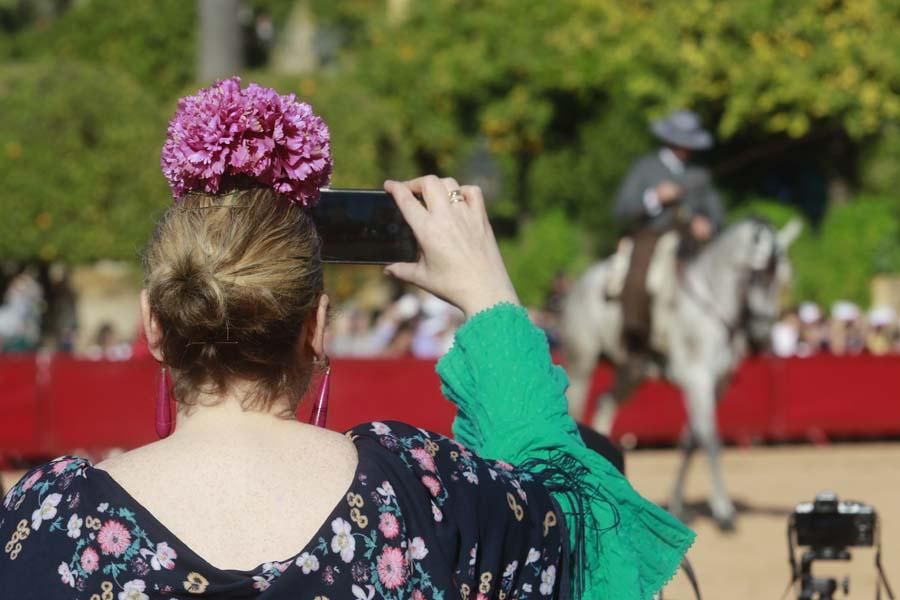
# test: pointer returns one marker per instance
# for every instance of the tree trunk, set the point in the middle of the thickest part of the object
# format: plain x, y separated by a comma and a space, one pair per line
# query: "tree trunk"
220, 47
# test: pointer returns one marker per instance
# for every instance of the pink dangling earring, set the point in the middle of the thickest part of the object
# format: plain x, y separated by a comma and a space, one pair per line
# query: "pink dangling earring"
320, 410
163, 406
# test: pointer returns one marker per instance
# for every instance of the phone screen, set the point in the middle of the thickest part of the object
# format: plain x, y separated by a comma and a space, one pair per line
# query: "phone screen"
363, 226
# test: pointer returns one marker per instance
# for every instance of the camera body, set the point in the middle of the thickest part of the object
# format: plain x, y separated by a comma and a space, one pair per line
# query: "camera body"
829, 523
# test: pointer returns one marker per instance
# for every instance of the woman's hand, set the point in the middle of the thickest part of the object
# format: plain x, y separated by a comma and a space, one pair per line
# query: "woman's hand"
459, 261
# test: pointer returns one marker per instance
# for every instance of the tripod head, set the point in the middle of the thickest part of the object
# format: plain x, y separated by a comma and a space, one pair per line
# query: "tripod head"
821, 588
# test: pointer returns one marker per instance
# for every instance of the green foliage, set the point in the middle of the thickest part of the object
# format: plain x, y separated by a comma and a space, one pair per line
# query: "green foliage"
881, 167
78, 161
777, 213
548, 245
856, 241
152, 42
784, 67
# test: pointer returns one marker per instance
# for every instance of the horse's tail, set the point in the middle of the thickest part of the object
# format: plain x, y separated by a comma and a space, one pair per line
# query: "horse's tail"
580, 334
581, 308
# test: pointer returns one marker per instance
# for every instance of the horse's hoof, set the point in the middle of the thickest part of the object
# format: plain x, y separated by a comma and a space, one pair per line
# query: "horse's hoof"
727, 524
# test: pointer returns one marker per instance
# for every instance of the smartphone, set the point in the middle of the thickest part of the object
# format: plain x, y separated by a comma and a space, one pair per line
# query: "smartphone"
364, 227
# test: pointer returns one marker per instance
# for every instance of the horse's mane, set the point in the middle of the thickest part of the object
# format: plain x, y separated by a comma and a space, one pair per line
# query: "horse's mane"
732, 228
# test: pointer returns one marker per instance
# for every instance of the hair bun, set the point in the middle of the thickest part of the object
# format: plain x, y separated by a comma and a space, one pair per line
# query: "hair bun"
191, 301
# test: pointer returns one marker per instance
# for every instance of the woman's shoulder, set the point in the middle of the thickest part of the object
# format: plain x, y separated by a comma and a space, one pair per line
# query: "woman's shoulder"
455, 477
429, 452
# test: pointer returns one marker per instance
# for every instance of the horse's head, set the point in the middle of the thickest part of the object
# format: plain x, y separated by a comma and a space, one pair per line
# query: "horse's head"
767, 272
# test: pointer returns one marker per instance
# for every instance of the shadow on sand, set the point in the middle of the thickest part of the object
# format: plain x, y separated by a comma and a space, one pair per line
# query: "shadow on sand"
699, 509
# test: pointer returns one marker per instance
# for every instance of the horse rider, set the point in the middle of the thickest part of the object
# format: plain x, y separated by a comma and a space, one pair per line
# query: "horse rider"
663, 192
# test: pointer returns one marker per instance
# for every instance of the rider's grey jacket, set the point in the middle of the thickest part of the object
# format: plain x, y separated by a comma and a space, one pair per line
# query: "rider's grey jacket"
637, 206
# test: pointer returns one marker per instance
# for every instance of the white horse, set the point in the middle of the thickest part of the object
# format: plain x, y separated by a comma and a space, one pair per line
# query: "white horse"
724, 300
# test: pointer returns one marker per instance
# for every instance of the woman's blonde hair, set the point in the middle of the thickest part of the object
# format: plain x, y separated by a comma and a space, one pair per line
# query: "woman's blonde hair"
232, 279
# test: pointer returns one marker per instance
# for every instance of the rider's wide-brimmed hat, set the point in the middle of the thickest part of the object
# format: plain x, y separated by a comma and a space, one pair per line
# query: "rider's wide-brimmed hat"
682, 128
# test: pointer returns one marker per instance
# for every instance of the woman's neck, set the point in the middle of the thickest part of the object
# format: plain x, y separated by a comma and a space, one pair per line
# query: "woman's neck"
224, 414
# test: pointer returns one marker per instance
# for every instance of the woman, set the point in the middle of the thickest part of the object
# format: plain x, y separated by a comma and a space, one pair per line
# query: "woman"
244, 501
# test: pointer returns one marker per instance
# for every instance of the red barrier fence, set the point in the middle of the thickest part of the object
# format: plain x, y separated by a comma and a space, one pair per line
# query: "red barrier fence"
59, 405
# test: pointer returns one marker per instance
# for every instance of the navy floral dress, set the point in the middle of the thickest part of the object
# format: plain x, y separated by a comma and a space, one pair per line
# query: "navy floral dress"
423, 519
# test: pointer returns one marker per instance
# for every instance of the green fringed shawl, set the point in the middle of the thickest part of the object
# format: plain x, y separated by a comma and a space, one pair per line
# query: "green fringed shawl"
512, 406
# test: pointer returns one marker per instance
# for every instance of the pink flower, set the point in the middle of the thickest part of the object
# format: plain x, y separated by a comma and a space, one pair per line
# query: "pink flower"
504, 465
388, 525
392, 568
418, 595
425, 460
433, 485
223, 135
113, 538
29, 483
90, 561
436, 513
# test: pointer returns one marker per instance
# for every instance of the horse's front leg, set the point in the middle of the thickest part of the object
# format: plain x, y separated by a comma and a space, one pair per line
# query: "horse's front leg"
700, 396
688, 446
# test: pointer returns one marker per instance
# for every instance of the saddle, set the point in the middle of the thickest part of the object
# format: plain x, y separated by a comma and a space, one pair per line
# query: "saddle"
661, 283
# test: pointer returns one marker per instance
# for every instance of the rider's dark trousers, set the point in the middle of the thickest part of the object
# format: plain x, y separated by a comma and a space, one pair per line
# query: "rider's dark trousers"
635, 299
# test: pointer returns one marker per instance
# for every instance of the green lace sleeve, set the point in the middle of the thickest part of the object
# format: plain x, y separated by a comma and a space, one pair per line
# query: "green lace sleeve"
512, 406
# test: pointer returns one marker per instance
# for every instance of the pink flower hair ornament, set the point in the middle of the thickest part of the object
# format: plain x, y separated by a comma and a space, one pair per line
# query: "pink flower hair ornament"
223, 137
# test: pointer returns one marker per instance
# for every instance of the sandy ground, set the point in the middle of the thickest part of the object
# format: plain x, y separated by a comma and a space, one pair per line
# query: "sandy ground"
766, 483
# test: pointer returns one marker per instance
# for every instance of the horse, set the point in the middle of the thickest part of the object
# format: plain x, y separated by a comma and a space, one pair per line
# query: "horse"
722, 303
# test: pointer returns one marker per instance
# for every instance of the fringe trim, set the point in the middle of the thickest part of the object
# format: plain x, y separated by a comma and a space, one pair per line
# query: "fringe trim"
562, 474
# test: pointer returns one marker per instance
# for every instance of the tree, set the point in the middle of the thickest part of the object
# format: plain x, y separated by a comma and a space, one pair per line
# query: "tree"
79, 163
153, 42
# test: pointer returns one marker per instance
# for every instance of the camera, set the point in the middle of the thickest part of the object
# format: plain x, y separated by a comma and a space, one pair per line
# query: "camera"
828, 527
829, 523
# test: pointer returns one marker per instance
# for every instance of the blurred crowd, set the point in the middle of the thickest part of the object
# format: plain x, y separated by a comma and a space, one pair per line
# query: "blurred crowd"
806, 330
20, 315
417, 324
